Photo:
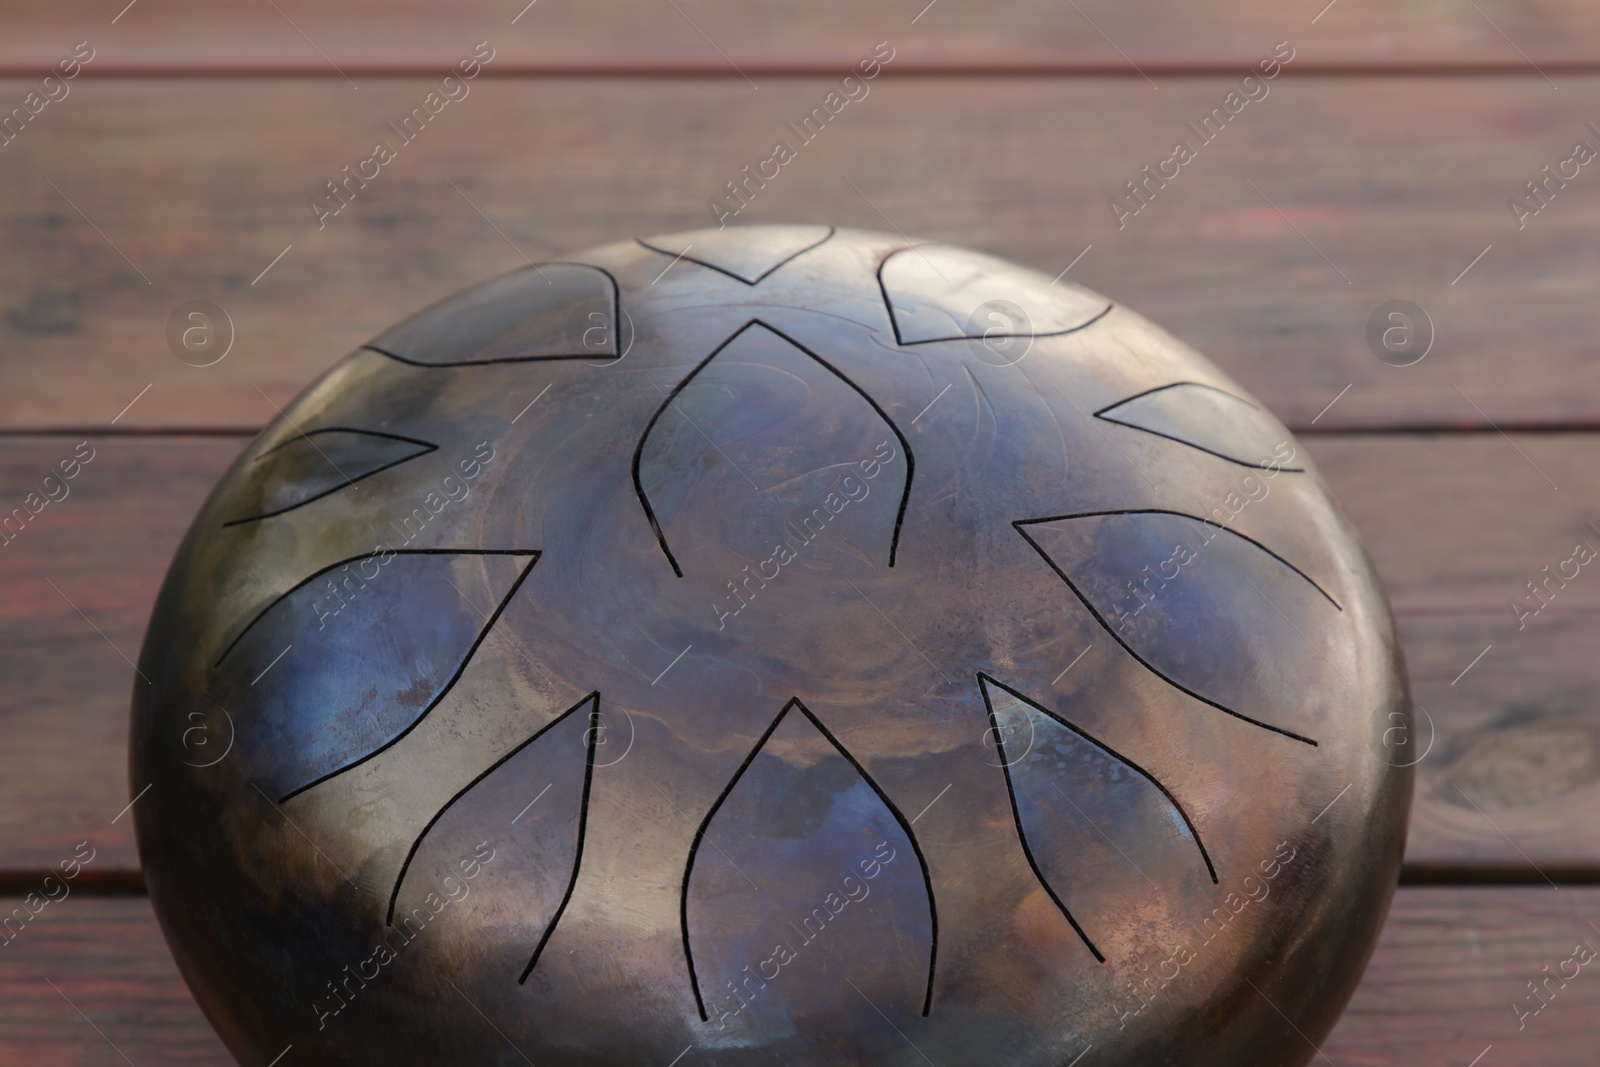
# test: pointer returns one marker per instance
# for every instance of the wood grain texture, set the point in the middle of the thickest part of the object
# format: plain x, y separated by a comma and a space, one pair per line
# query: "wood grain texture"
1510, 784
1268, 252
89, 981
1450, 964
1462, 522
101, 551
715, 34
1456, 525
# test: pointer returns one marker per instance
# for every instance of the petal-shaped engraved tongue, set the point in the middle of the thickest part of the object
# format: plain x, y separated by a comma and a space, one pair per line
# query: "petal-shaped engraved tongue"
940, 293
804, 881
346, 663
1204, 417
507, 848
1106, 840
551, 311
748, 255
770, 445
311, 465
1212, 612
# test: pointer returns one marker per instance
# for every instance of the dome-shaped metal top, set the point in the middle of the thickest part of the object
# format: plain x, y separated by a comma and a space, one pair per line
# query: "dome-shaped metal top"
776, 644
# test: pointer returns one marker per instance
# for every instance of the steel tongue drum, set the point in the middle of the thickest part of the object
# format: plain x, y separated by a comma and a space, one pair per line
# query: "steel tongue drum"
772, 644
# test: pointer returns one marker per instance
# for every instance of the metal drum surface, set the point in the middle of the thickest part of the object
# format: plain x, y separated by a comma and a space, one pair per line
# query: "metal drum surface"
772, 645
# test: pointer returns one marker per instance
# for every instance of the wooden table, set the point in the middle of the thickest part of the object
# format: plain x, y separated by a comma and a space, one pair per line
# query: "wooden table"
180, 163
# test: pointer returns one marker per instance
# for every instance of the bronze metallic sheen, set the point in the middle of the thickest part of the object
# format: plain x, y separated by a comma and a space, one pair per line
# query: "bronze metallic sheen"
772, 644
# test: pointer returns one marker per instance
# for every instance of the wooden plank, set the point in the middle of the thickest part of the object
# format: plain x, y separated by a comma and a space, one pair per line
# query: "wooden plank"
1509, 776
1449, 966
714, 34
202, 185
89, 981
1463, 521
101, 551
1456, 526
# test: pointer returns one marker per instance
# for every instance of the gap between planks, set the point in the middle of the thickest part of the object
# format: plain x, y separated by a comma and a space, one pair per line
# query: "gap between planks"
130, 883
1407, 430
827, 68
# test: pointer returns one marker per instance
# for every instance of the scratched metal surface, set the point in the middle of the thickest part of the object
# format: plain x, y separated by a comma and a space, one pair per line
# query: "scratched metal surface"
782, 643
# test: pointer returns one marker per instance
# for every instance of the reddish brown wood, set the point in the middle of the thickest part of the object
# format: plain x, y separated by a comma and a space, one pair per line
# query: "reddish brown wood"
1449, 967
102, 551
1513, 776
1462, 522
89, 981
715, 34
1439, 990
202, 184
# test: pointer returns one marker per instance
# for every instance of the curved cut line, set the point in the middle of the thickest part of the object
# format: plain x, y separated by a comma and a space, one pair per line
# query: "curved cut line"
905, 826
736, 277
1101, 414
998, 336
1194, 830
470, 786
475, 362
1016, 818
1182, 515
905, 445
577, 854
616, 323
444, 690
894, 323
1018, 525
314, 575
344, 429
638, 451
426, 447
1174, 385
